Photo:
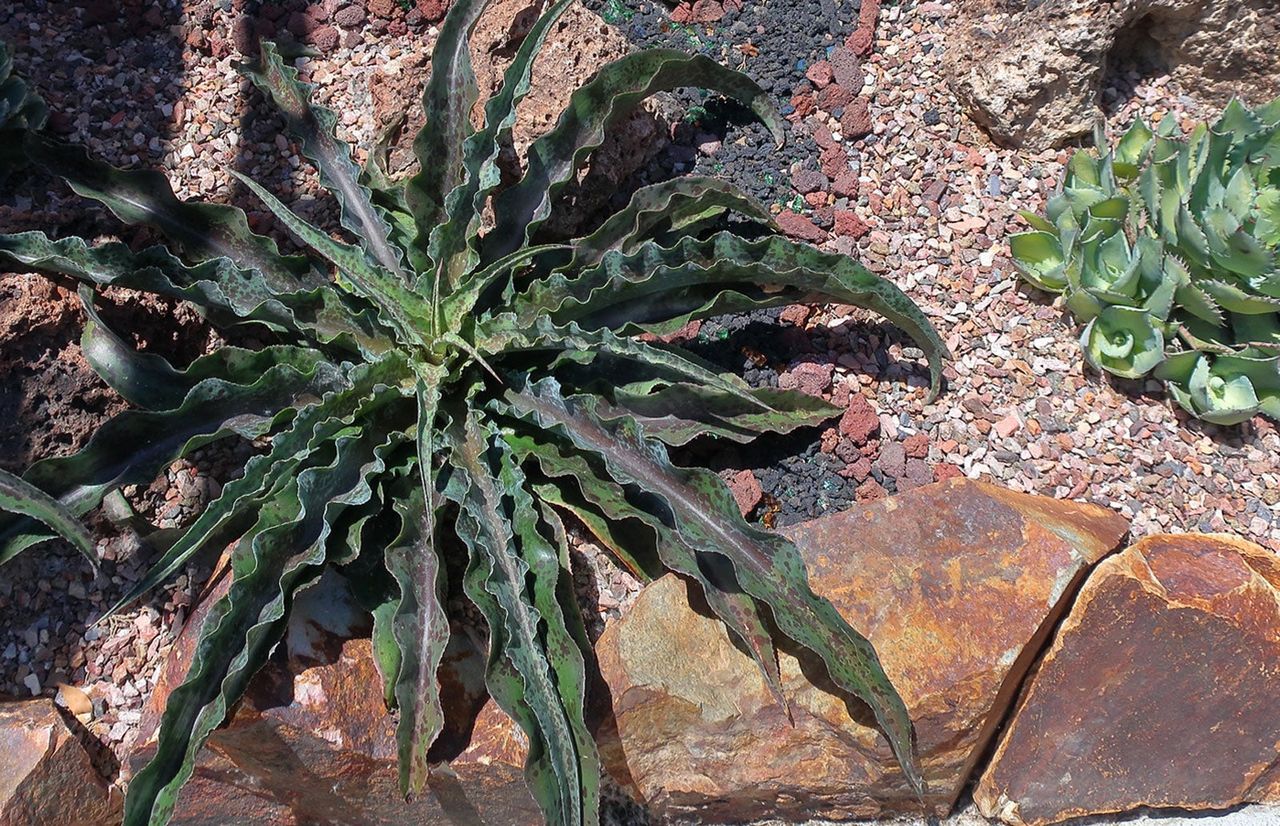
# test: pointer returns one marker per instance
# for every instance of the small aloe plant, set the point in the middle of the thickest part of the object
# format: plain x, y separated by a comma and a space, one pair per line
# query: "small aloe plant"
446, 383
1168, 249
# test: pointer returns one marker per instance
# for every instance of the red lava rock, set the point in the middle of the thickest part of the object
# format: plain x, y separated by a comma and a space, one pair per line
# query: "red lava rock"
917, 445
707, 11
867, 14
300, 25
807, 377
796, 314
840, 394
818, 200
804, 105
834, 97
845, 185
846, 68
823, 138
860, 41
682, 13
848, 452
808, 180
798, 226
746, 490
325, 38
860, 420
829, 439
917, 474
893, 459
869, 491
350, 17
857, 471
243, 36
433, 10
945, 470
849, 224
856, 120
819, 73
685, 333
833, 161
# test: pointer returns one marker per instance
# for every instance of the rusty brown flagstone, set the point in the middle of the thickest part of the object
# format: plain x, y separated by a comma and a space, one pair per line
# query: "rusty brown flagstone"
46, 774
957, 584
1162, 689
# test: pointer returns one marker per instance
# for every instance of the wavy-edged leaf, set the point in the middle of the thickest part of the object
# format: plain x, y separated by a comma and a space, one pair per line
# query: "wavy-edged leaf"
419, 624
521, 676
447, 101
687, 280
564, 637
656, 204
227, 292
611, 534
571, 338
680, 412
396, 303
283, 551
611, 507
314, 425
452, 242
316, 127
699, 509
593, 107
460, 305
21, 497
421, 632
132, 447
148, 381
201, 230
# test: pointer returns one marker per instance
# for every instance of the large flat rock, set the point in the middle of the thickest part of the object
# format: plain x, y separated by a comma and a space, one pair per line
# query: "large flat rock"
46, 774
1031, 72
957, 585
1159, 690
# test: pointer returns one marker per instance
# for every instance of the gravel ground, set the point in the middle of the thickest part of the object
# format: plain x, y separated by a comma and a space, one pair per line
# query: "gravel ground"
879, 162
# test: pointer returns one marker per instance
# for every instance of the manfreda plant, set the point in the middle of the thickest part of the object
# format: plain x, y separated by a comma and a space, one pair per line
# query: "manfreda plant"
439, 381
1169, 250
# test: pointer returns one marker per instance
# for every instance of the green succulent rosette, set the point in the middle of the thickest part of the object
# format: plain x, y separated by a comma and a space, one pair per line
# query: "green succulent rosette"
1223, 389
1124, 341
1165, 246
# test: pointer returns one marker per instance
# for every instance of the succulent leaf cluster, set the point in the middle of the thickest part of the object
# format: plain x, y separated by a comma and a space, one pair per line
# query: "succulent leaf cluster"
1168, 248
442, 386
